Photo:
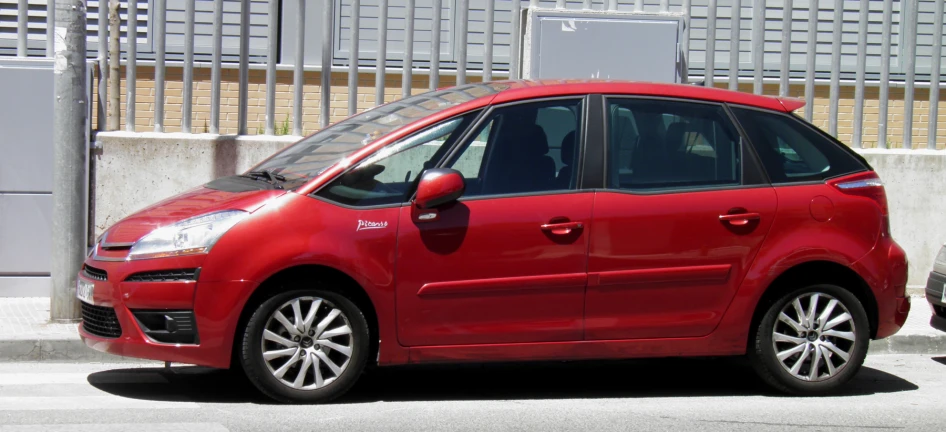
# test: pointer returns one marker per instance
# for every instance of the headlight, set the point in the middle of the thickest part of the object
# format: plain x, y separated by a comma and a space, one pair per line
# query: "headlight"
939, 266
192, 236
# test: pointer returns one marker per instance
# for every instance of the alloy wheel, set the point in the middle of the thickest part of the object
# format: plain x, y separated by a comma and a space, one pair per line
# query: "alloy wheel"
307, 343
814, 337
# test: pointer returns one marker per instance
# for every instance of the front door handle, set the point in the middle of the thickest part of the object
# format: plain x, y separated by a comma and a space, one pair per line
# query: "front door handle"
562, 228
739, 219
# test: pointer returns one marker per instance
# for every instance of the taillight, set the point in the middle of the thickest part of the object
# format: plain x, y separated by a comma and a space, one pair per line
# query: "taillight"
867, 185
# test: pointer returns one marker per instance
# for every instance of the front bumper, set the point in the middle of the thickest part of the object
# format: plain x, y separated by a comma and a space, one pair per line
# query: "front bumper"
214, 304
935, 285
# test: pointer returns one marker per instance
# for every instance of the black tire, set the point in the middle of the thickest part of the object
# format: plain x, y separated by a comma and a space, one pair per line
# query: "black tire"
763, 356
263, 378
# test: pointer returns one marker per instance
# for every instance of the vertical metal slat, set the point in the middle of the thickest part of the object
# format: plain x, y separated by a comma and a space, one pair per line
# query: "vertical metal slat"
461, 49
710, 67
664, 5
559, 4
435, 45
835, 84
298, 71
488, 55
638, 5
884, 75
131, 67
383, 50
786, 53
859, 75
160, 30
353, 57
406, 75
51, 28
215, 77
687, 9
102, 105
935, 74
514, 47
758, 44
909, 53
243, 96
810, 59
325, 110
734, 40
22, 26
188, 92
272, 46
586, 4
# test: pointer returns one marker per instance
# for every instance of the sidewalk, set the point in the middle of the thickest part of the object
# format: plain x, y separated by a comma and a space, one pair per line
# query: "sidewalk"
26, 335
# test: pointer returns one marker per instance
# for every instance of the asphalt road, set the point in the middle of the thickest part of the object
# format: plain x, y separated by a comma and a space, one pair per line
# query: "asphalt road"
899, 392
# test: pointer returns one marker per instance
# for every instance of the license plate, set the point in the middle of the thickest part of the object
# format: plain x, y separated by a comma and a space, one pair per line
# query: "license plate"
84, 290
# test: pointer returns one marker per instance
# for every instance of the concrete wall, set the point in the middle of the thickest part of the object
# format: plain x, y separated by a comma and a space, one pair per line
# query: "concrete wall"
915, 181
135, 170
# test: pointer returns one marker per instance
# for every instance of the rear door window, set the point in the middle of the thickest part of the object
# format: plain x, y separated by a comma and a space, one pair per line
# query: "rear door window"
792, 151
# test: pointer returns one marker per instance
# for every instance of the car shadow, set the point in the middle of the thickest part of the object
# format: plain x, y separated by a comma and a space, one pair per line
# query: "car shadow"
679, 377
940, 360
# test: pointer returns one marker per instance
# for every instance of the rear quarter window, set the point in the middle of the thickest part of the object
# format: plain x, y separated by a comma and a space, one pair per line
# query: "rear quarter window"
792, 151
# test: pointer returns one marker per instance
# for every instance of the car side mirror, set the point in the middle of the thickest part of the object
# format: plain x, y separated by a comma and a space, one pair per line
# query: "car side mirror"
437, 187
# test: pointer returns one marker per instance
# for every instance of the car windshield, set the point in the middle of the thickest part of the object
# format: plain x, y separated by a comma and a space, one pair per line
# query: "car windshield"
314, 154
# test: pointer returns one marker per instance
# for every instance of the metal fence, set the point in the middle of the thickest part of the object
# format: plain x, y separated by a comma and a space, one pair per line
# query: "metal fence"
761, 25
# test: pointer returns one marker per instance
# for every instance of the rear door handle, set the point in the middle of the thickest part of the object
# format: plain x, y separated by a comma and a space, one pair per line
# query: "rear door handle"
739, 219
562, 228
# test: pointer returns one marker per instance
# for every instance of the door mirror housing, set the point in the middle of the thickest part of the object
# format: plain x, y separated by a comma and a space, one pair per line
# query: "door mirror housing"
439, 186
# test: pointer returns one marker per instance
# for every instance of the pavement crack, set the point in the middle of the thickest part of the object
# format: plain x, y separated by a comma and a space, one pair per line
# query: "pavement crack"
806, 425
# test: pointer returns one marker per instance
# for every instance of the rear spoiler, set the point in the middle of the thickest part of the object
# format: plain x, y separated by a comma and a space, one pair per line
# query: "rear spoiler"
791, 104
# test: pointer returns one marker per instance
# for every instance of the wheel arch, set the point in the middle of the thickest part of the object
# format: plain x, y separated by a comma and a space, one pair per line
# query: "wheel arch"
339, 281
814, 272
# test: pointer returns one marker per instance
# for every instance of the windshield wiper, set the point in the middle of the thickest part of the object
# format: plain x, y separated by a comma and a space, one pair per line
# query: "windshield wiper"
267, 176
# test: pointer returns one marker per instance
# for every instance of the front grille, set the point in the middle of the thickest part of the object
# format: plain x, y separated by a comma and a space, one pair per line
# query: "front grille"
165, 276
94, 273
100, 321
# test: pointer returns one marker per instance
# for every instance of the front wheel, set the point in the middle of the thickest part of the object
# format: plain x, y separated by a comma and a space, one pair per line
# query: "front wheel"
811, 341
305, 346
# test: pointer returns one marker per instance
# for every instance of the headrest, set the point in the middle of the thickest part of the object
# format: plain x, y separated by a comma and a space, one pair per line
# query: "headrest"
568, 148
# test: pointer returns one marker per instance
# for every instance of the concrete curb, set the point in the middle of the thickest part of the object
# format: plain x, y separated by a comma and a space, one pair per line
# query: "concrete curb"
75, 351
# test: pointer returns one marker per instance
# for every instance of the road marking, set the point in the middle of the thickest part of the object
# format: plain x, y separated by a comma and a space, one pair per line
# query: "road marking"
45, 403
118, 427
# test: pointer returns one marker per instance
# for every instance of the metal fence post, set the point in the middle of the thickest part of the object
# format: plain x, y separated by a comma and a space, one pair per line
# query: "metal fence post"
188, 90
298, 71
488, 55
758, 44
101, 107
70, 108
859, 77
215, 73
50, 27
786, 54
909, 65
514, 47
22, 27
353, 57
131, 67
462, 30
328, 13
810, 59
884, 74
734, 39
687, 9
834, 89
408, 52
710, 64
243, 95
935, 74
435, 45
272, 40
379, 76
160, 29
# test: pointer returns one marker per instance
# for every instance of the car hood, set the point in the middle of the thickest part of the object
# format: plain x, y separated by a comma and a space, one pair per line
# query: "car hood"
186, 205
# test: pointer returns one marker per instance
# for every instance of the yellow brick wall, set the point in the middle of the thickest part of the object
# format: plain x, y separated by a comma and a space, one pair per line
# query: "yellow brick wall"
144, 119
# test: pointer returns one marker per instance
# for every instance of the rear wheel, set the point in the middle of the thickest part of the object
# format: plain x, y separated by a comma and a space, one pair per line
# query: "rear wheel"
811, 341
305, 346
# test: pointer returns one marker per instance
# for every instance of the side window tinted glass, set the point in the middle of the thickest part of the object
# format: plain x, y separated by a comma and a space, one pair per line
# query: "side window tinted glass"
656, 145
792, 151
523, 148
389, 175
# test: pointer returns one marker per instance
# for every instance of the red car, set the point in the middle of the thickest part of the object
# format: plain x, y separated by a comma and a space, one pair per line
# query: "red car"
516, 221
